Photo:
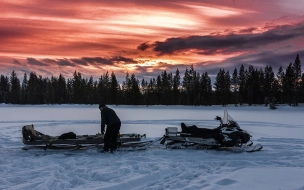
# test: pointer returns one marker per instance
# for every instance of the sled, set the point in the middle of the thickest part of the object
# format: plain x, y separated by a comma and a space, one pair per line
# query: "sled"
33, 138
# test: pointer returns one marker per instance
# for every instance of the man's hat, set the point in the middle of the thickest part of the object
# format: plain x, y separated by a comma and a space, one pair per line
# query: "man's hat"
102, 105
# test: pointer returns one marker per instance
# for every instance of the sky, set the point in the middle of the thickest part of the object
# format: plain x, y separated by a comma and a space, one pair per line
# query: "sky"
147, 37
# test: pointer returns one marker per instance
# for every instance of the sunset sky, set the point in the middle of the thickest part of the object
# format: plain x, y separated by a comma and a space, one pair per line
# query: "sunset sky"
51, 37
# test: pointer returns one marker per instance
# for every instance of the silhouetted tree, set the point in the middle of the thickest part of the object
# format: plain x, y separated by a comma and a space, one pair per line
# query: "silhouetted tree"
15, 88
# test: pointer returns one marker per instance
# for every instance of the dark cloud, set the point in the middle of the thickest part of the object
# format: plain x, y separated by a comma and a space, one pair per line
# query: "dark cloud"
248, 30
210, 44
33, 61
64, 62
109, 60
10, 33
99, 60
81, 61
124, 60
16, 62
50, 61
60, 62
143, 46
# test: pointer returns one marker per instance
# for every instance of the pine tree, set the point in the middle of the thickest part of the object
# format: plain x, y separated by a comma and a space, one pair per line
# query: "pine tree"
135, 91
176, 86
268, 82
190, 80
15, 88
235, 87
166, 86
144, 92
24, 90
227, 88
52, 89
209, 91
61, 90
205, 89
77, 88
297, 78
222, 87
90, 91
4, 89
242, 85
280, 78
33, 88
260, 86
69, 94
114, 89
288, 84
151, 96
126, 89
302, 88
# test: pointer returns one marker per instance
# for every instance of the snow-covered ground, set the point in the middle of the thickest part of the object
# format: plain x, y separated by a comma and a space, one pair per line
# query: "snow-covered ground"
280, 165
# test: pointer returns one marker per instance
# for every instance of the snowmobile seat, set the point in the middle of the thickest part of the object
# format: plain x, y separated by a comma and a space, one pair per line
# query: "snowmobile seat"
200, 132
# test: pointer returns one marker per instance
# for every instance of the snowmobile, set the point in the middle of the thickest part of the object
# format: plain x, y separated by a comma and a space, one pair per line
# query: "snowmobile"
227, 136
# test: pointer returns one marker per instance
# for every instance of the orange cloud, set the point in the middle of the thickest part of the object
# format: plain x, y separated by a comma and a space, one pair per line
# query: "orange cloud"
61, 36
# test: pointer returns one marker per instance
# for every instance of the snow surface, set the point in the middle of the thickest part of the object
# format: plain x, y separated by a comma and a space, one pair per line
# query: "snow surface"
278, 166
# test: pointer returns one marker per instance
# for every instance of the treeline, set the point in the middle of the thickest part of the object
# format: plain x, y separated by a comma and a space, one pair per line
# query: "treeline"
250, 86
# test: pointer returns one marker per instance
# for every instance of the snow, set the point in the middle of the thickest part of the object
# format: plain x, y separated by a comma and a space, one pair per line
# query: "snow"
278, 166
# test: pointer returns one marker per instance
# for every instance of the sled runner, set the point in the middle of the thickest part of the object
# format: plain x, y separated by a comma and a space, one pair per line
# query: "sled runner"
34, 138
228, 136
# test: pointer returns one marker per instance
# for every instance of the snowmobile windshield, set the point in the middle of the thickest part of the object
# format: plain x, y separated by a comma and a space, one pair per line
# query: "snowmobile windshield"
229, 120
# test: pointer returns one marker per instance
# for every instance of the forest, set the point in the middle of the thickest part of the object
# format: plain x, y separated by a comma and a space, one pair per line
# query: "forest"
245, 86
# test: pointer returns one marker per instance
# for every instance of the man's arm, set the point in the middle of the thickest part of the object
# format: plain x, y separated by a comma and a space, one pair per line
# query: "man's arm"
103, 119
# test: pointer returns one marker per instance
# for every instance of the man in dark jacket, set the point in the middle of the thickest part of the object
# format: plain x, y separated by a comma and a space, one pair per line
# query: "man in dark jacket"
109, 118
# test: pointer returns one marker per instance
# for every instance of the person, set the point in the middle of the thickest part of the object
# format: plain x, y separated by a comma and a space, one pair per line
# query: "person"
109, 118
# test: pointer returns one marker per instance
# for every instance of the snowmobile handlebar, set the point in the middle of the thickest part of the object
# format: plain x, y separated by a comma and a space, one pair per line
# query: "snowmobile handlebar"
219, 119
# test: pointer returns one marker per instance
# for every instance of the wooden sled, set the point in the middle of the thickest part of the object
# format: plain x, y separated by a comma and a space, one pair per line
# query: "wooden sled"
32, 137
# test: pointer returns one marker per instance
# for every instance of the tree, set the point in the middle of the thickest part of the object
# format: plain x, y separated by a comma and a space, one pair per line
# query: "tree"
126, 89
280, 77
176, 86
135, 91
190, 81
222, 87
205, 90
90, 91
33, 89
235, 86
144, 92
297, 78
24, 90
61, 92
288, 83
151, 96
114, 89
77, 88
166, 86
302, 88
4, 89
15, 88
242, 85
268, 82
